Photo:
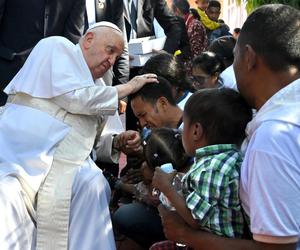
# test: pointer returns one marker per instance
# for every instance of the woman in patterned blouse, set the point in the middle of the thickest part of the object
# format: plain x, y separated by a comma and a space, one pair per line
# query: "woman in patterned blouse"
195, 30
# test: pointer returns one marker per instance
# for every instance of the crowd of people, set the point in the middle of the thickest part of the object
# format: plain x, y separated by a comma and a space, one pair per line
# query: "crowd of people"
211, 137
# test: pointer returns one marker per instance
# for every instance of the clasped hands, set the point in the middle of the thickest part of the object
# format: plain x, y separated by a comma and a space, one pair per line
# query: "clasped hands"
129, 142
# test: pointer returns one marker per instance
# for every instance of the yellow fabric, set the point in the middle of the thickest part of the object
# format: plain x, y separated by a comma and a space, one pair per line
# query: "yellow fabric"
177, 52
208, 23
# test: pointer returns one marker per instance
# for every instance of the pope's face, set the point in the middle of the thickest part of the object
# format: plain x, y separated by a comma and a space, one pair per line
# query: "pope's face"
102, 52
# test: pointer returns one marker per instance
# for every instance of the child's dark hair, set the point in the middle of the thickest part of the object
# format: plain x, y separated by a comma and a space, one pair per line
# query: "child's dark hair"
223, 47
223, 114
214, 3
164, 145
209, 62
237, 30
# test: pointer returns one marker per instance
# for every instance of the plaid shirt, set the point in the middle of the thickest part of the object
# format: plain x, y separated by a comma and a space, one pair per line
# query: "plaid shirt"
211, 190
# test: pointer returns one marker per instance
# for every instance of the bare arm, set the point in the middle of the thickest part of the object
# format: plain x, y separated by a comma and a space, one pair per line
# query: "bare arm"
162, 181
129, 188
177, 230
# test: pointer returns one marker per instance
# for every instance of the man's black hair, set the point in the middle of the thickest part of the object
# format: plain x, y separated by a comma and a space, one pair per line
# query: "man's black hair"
237, 30
273, 31
182, 5
213, 3
223, 47
168, 67
151, 92
209, 62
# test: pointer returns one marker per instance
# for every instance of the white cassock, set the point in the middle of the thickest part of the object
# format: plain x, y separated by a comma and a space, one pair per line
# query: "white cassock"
51, 118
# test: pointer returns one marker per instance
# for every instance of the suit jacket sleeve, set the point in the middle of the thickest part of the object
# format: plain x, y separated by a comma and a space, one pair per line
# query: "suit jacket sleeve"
74, 25
170, 24
121, 67
104, 149
2, 9
5, 53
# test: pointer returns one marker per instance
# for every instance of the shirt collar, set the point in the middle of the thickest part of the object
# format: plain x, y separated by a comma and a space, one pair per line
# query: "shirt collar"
282, 106
215, 149
183, 96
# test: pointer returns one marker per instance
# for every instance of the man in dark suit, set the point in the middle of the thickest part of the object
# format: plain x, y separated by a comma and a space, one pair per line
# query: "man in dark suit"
146, 11
24, 23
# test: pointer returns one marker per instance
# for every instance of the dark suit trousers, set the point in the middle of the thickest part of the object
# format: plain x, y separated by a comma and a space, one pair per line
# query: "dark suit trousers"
8, 69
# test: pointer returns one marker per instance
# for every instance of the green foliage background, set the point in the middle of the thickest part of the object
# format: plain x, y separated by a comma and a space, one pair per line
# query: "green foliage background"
253, 4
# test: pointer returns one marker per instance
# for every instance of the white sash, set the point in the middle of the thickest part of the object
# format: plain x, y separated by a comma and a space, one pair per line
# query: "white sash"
54, 195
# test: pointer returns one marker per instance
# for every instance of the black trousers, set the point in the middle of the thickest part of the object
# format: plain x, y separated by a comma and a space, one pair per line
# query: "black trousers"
3, 98
131, 120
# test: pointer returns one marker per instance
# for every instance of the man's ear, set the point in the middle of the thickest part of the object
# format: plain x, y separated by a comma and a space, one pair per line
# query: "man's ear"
162, 103
87, 40
251, 57
197, 131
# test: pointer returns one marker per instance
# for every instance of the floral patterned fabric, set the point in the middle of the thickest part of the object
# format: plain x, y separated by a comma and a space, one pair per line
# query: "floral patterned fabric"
196, 34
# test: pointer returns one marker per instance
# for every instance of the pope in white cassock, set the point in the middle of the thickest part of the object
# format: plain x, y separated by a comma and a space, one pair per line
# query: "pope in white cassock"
52, 195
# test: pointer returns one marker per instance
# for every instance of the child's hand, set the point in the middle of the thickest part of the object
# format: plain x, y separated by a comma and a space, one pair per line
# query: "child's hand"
133, 176
152, 200
174, 226
162, 180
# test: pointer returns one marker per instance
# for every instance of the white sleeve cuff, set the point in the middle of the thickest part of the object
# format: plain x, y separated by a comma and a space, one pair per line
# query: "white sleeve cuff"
275, 239
105, 151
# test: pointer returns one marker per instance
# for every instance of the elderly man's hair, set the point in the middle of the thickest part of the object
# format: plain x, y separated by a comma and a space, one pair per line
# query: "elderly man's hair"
273, 31
151, 92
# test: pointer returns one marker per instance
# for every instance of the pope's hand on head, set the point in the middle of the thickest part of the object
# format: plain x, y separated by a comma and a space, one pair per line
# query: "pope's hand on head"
135, 84
139, 81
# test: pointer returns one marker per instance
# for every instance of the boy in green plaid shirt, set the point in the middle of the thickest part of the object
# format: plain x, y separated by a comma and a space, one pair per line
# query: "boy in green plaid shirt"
214, 128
